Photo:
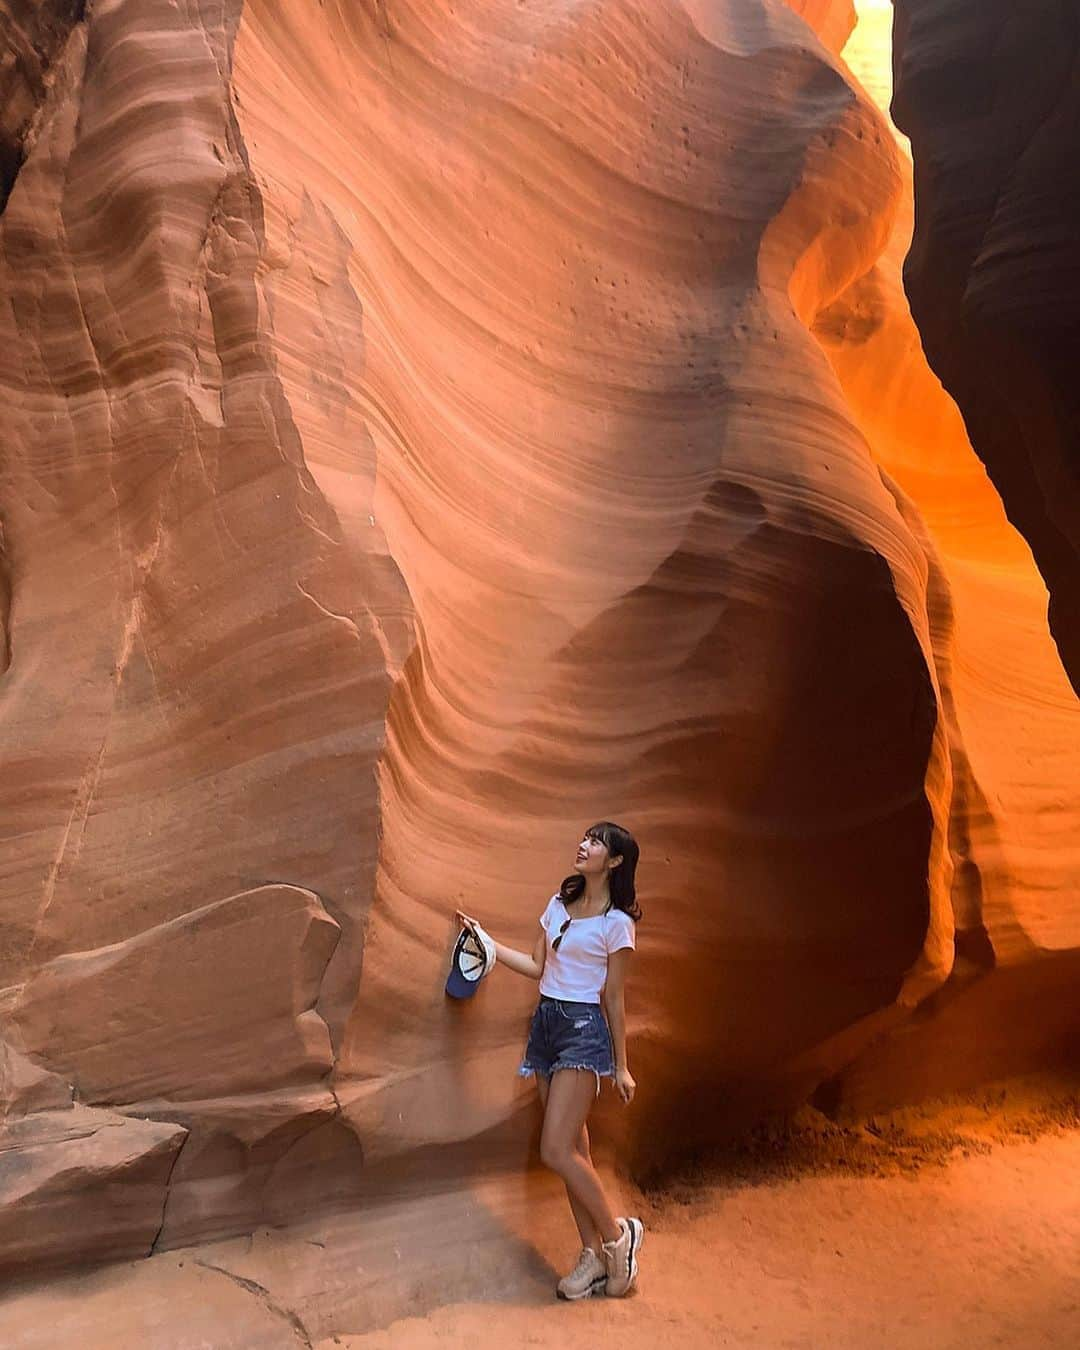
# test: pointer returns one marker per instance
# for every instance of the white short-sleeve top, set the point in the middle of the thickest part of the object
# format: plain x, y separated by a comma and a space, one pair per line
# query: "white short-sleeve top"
577, 972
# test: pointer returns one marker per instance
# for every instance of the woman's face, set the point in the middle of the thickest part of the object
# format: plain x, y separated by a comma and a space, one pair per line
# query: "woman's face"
592, 857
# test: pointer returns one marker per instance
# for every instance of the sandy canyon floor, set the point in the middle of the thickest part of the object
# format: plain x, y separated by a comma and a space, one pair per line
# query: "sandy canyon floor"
946, 1234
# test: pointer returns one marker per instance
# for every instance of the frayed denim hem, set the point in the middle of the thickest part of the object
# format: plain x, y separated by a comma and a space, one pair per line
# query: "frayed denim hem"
527, 1071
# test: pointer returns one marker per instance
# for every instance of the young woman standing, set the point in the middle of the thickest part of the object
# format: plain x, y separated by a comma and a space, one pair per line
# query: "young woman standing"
581, 959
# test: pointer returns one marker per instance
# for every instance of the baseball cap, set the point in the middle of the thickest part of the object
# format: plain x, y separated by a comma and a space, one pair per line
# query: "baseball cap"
473, 958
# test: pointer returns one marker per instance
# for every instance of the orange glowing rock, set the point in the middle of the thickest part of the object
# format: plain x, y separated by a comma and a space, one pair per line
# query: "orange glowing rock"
832, 20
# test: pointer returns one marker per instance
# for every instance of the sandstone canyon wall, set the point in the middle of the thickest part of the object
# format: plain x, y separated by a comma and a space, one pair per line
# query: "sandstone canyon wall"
989, 93
430, 429
1009, 713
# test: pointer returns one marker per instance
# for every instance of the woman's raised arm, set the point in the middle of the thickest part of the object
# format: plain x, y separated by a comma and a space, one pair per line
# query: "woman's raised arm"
530, 966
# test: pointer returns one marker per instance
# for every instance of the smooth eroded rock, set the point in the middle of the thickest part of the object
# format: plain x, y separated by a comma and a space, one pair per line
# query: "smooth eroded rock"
832, 20
218, 1000
260, 1157
25, 1087
82, 1184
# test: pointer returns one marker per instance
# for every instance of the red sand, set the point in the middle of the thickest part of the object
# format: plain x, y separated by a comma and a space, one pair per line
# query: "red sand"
980, 1252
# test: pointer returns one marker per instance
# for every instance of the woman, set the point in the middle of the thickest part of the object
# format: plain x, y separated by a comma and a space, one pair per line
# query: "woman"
580, 958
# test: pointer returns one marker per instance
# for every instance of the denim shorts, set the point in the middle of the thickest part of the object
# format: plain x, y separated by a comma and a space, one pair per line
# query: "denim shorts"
566, 1035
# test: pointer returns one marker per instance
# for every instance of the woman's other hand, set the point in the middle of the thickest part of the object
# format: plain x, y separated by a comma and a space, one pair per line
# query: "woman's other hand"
466, 921
625, 1085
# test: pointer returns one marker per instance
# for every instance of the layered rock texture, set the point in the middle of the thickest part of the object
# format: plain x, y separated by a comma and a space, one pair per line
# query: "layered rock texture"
989, 93
432, 428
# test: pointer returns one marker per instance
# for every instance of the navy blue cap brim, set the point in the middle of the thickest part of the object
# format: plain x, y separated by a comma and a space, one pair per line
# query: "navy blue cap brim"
457, 986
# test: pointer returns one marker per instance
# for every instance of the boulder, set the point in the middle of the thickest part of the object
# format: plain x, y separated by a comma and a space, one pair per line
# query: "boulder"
219, 1000
82, 1185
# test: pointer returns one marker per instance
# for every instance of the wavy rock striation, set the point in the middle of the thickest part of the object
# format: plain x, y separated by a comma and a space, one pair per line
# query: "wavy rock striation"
989, 93
433, 428
198, 681
1012, 902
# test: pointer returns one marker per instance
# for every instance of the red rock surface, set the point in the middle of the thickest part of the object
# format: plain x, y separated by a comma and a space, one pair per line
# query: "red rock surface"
989, 93
433, 428
34, 34
87, 1184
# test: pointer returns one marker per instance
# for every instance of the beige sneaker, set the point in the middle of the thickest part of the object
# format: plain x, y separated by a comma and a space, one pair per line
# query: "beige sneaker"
620, 1258
588, 1277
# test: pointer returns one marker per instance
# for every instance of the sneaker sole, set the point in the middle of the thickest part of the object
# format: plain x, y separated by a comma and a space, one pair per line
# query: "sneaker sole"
597, 1287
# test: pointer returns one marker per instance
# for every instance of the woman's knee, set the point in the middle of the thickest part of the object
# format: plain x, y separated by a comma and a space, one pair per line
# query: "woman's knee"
555, 1154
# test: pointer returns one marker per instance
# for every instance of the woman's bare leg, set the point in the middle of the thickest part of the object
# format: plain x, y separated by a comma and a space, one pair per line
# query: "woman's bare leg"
588, 1231
569, 1098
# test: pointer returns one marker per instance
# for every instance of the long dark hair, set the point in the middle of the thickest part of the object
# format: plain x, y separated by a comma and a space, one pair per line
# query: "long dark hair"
620, 879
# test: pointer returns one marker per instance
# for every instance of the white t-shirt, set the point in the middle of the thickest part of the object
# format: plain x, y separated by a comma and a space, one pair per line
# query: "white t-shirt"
577, 972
